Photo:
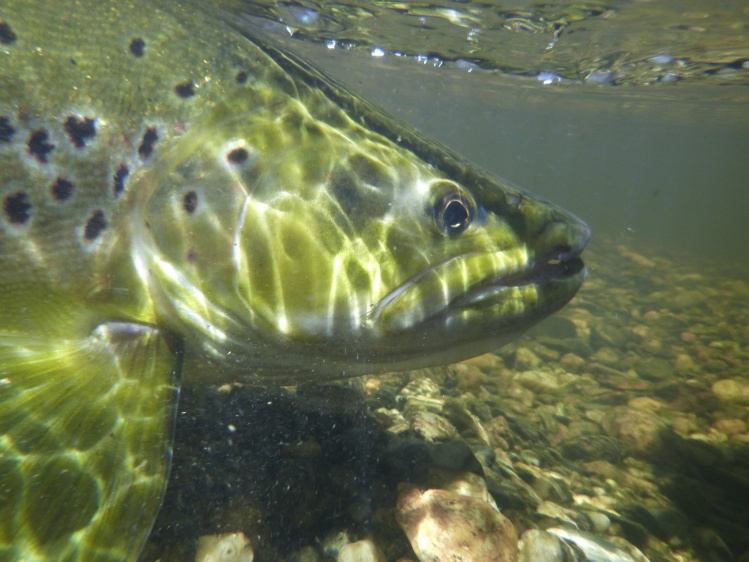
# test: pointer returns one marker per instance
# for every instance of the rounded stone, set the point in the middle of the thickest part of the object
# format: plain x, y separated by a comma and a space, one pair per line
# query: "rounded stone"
654, 369
731, 391
683, 363
230, 547
730, 426
640, 430
571, 362
539, 381
445, 526
540, 546
432, 427
645, 403
361, 551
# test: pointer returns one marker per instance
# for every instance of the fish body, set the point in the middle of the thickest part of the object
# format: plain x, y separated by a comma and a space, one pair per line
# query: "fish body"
182, 202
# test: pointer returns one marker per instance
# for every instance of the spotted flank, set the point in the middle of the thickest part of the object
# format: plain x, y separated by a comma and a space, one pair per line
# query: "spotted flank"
175, 190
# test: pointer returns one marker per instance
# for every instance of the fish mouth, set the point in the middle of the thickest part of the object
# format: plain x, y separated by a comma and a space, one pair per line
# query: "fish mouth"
562, 267
520, 290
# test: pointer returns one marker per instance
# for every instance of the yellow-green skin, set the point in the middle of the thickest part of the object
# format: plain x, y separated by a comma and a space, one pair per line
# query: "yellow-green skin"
278, 230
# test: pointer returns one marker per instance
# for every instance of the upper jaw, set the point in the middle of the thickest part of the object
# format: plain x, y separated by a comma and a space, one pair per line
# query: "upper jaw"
560, 265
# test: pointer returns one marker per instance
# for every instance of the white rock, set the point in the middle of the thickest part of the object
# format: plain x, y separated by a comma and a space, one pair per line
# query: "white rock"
361, 551
443, 526
230, 547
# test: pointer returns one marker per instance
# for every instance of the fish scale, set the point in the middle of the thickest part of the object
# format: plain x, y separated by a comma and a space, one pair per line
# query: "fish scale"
183, 202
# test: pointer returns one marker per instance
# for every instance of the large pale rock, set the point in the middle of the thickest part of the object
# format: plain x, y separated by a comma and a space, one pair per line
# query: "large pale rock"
443, 526
361, 551
231, 547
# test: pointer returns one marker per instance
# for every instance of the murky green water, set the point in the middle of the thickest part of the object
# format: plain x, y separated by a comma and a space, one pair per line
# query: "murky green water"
626, 415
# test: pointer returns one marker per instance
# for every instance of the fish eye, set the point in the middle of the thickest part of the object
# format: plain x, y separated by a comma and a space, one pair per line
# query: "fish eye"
454, 213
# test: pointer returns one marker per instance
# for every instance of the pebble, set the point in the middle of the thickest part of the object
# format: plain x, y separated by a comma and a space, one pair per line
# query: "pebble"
688, 299
732, 391
333, 543
231, 547
443, 526
526, 359
595, 548
730, 426
683, 363
465, 483
645, 403
539, 381
361, 551
572, 362
432, 427
640, 430
653, 368
540, 546
599, 522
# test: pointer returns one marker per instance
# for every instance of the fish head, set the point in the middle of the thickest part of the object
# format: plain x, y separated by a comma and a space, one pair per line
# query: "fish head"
287, 240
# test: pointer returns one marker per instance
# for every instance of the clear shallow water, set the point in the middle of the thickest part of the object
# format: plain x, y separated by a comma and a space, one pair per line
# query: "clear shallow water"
661, 166
628, 402
616, 42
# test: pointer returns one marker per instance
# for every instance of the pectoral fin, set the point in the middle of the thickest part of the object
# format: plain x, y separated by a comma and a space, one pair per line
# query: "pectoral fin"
85, 442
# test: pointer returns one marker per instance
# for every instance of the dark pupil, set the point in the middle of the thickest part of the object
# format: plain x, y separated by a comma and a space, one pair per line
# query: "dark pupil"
455, 214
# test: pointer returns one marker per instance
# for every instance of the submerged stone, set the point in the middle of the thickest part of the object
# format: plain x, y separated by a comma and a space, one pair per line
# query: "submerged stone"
444, 526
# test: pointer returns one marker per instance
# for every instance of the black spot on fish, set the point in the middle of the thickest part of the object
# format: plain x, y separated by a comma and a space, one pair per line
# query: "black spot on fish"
190, 202
120, 176
6, 34
185, 89
80, 131
191, 256
238, 155
95, 225
17, 207
73, 61
149, 140
242, 77
38, 145
62, 189
137, 47
6, 129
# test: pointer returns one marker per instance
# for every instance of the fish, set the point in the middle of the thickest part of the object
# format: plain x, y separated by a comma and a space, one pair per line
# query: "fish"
183, 202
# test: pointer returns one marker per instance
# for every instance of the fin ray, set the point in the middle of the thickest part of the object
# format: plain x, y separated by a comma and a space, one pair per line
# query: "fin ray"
85, 441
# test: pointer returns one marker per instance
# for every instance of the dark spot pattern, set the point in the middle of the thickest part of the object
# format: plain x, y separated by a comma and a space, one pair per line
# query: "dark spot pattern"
7, 36
17, 207
149, 141
185, 89
191, 256
238, 155
38, 145
80, 131
242, 77
62, 189
6, 129
95, 225
120, 177
137, 47
73, 61
190, 202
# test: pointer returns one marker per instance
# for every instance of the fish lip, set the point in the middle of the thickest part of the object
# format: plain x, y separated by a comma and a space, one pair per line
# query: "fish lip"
556, 267
560, 266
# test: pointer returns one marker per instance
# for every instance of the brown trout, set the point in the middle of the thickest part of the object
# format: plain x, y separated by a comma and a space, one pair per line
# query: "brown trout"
182, 202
